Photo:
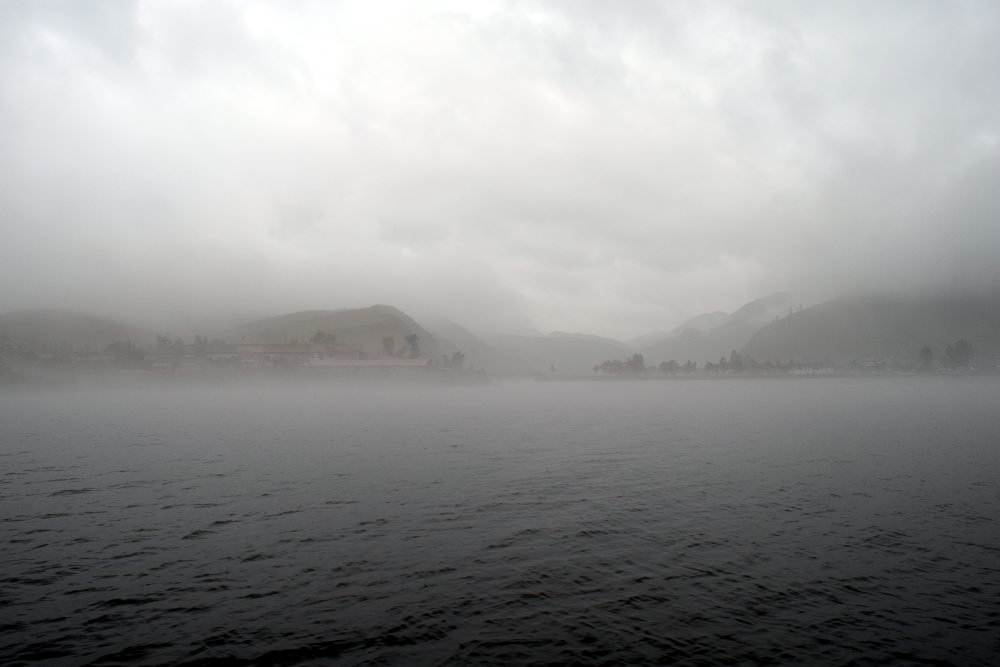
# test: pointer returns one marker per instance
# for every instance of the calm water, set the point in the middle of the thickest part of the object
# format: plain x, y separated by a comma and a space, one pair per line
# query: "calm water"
834, 521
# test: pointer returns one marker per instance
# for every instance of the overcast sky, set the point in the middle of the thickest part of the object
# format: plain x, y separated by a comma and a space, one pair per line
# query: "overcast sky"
609, 167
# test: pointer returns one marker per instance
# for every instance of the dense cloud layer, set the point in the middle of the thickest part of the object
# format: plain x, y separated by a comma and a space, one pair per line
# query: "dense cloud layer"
610, 167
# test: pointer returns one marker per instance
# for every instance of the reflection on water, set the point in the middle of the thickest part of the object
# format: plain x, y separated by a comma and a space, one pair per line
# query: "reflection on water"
819, 521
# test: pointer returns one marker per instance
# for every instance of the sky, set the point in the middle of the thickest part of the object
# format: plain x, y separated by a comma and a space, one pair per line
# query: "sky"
517, 166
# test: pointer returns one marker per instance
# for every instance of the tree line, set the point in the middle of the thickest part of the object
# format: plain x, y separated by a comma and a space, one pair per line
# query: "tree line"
957, 355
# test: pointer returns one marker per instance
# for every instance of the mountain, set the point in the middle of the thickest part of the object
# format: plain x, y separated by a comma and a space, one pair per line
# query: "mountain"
648, 339
453, 337
712, 335
857, 327
701, 322
57, 328
366, 327
566, 353
589, 337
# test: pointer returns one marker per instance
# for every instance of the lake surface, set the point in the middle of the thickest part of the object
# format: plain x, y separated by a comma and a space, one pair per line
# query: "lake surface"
813, 521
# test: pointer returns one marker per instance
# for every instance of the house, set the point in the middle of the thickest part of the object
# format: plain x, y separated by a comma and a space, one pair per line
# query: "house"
278, 354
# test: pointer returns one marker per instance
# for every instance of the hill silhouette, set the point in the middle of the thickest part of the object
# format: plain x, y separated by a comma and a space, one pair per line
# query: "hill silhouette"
366, 327
712, 335
54, 328
857, 327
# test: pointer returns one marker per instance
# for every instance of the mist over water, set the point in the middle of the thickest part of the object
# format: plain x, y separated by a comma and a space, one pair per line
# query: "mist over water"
275, 277
803, 521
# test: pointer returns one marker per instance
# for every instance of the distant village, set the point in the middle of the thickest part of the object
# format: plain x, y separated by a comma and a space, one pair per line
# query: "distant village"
382, 342
323, 353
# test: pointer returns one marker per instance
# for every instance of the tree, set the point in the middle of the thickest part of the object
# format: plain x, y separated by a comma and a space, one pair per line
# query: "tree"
736, 361
669, 367
327, 340
636, 365
926, 356
412, 342
959, 355
323, 337
613, 366
389, 346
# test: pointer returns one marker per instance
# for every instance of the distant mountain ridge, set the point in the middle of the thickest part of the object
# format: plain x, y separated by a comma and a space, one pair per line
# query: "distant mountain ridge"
835, 332
698, 322
453, 337
55, 327
713, 335
859, 326
591, 337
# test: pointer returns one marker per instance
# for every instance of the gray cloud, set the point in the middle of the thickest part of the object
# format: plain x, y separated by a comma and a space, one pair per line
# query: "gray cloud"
610, 167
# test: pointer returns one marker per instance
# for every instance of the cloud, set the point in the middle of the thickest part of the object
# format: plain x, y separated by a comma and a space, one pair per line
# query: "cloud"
584, 166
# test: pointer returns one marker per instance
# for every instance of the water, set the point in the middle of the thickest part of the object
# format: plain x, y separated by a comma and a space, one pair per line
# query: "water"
833, 521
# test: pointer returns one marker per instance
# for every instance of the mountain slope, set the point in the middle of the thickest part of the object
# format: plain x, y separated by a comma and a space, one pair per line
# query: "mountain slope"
358, 326
722, 335
452, 337
856, 327
65, 327
700, 322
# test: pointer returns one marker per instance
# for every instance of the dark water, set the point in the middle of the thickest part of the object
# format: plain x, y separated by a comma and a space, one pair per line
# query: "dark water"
835, 521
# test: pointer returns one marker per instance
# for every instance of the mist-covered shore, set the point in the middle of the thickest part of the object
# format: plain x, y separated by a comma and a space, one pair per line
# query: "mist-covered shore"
768, 337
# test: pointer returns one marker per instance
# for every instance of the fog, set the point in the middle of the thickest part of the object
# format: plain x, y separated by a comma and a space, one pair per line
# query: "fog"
499, 332
515, 166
